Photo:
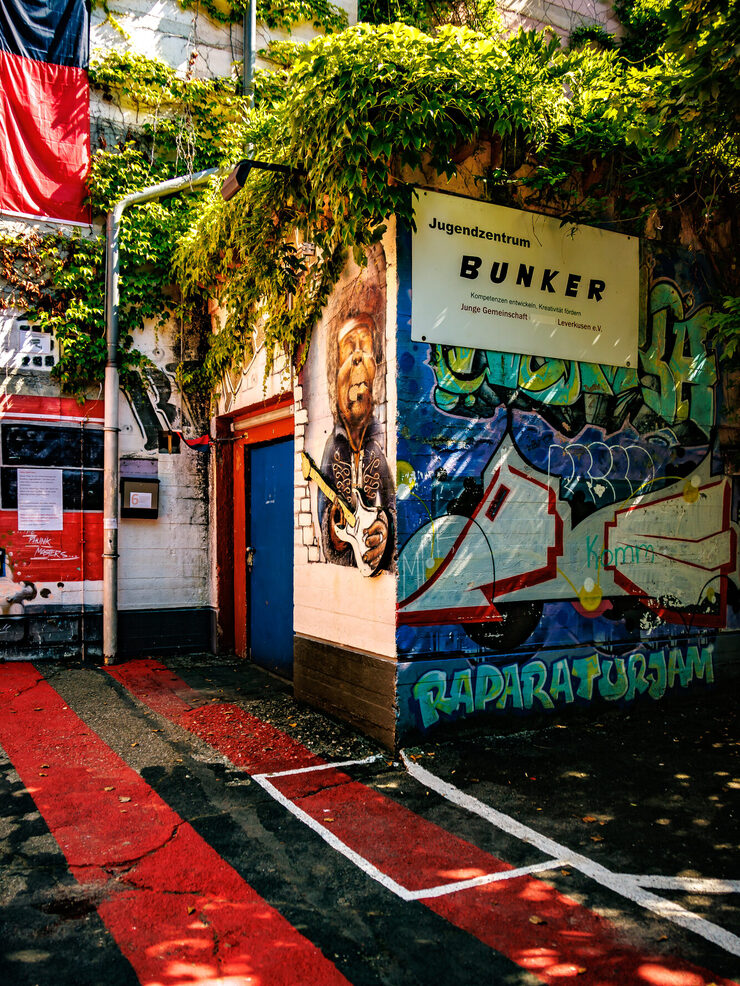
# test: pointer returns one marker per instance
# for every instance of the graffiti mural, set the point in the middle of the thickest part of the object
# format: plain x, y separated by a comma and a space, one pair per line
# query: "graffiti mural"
545, 504
355, 488
151, 400
673, 387
457, 690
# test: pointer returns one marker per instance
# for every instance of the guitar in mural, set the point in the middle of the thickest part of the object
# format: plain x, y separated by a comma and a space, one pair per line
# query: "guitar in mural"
357, 521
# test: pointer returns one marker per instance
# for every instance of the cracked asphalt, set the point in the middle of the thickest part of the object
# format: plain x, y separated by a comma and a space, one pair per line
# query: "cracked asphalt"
142, 846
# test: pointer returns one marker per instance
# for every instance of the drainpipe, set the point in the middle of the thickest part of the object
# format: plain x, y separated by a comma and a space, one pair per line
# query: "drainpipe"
249, 34
110, 449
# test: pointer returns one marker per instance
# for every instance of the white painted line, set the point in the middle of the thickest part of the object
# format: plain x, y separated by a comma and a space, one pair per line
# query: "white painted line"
480, 881
692, 884
619, 883
329, 837
324, 766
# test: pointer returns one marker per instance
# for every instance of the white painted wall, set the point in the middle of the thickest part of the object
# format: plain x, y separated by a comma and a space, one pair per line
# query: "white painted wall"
165, 562
162, 29
562, 15
334, 603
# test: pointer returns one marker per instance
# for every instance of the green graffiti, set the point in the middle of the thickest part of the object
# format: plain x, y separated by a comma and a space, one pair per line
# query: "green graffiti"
489, 683
637, 683
539, 685
612, 690
512, 688
675, 380
534, 676
560, 681
587, 670
679, 373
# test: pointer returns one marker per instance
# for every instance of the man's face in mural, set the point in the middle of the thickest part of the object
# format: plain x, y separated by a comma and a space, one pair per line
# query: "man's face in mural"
356, 372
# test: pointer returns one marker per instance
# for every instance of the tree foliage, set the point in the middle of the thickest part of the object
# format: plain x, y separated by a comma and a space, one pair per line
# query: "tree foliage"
691, 96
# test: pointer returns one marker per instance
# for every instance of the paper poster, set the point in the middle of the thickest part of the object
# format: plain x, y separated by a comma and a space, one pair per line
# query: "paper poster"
40, 500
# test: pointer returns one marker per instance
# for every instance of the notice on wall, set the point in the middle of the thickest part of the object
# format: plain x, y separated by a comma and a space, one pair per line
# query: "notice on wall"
40, 500
488, 277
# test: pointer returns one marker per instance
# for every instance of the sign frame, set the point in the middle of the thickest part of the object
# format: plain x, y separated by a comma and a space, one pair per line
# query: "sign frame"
489, 277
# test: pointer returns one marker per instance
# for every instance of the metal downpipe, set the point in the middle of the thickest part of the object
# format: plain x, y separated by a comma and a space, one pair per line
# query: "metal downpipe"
111, 472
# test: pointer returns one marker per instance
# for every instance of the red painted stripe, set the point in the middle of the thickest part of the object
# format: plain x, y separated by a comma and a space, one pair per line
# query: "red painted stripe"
404, 846
250, 743
74, 554
177, 911
52, 407
571, 940
166, 693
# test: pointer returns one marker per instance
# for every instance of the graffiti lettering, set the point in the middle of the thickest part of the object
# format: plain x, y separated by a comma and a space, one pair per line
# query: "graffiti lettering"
466, 691
617, 556
602, 472
44, 550
674, 386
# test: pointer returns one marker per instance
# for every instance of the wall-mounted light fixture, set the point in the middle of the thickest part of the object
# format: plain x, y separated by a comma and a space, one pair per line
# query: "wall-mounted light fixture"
238, 176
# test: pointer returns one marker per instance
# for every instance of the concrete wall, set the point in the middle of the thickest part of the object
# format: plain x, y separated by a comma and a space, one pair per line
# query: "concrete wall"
561, 15
164, 30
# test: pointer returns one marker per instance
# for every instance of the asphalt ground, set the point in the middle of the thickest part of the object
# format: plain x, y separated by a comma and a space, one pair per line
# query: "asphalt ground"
344, 874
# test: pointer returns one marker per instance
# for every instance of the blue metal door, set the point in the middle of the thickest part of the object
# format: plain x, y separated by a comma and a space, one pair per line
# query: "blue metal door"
270, 535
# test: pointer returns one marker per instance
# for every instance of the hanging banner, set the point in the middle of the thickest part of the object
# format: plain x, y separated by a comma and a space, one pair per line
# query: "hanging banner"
488, 277
44, 109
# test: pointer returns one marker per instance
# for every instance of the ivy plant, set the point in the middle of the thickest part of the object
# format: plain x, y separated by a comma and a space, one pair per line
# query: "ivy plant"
365, 116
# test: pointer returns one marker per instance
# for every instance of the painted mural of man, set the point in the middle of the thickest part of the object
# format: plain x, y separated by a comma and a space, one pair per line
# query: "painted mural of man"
354, 463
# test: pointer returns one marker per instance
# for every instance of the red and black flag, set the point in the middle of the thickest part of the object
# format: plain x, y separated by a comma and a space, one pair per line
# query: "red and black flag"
44, 108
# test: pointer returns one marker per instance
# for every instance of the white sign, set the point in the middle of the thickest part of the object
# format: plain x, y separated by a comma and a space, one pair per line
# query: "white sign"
34, 343
40, 500
487, 277
140, 501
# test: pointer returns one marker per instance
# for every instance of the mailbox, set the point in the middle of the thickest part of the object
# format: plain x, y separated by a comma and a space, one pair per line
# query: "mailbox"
139, 497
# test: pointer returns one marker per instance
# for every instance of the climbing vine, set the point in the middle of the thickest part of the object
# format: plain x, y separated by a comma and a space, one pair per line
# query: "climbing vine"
59, 280
365, 116
274, 14
181, 125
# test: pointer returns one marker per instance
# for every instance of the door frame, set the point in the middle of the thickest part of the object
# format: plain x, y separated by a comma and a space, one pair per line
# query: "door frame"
267, 421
